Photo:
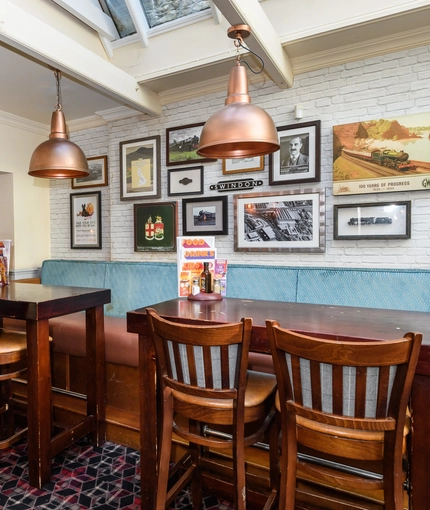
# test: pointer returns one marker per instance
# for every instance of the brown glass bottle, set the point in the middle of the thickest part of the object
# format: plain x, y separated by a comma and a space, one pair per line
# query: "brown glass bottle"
206, 279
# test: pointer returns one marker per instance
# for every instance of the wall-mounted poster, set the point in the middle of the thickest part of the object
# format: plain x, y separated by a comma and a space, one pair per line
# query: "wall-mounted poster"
378, 156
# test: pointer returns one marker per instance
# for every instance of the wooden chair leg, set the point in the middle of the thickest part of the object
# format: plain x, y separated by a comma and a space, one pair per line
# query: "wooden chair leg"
239, 480
164, 456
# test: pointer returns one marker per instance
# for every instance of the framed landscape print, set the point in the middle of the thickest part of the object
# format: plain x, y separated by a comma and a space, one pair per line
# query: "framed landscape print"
291, 221
85, 220
299, 159
379, 220
239, 165
155, 226
382, 155
140, 168
205, 216
98, 174
182, 144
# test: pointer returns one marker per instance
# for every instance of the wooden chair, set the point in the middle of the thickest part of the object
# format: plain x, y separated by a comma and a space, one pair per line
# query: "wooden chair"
343, 399
203, 377
13, 363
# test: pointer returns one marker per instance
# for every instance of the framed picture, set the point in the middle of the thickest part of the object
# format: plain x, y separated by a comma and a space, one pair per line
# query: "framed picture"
140, 168
98, 174
186, 181
382, 155
182, 144
86, 220
378, 220
299, 158
291, 221
155, 226
239, 165
205, 216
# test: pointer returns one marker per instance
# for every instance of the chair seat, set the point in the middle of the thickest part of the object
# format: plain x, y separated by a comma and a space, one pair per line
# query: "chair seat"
13, 346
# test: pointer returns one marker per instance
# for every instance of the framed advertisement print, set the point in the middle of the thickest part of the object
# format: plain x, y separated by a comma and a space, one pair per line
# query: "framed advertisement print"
379, 220
98, 174
85, 220
155, 226
182, 144
205, 216
140, 168
299, 158
291, 221
239, 165
185, 181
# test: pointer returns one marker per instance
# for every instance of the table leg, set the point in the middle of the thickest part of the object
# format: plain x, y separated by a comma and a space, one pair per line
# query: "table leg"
96, 372
148, 422
39, 403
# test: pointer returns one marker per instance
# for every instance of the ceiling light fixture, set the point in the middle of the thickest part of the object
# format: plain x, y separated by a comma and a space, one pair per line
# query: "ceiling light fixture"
58, 157
239, 129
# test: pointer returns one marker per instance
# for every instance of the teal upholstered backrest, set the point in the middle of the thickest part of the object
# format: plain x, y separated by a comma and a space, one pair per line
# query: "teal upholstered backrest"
75, 273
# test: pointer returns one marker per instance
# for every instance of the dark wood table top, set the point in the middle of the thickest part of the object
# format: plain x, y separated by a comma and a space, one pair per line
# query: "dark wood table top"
36, 301
339, 322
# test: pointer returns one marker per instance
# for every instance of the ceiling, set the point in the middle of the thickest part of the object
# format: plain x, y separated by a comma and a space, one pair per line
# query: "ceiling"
27, 83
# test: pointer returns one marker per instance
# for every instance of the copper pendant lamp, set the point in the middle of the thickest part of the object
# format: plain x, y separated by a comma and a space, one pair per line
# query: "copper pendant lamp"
58, 157
240, 129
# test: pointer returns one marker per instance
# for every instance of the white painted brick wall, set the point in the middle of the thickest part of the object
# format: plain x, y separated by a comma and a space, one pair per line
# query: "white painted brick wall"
390, 85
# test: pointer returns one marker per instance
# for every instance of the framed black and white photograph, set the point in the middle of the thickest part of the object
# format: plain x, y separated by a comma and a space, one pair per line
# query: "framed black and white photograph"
205, 216
185, 181
299, 158
155, 226
98, 175
377, 220
182, 143
140, 168
85, 220
240, 165
292, 221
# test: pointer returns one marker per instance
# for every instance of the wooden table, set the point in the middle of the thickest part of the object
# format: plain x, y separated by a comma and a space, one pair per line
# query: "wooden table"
36, 304
337, 322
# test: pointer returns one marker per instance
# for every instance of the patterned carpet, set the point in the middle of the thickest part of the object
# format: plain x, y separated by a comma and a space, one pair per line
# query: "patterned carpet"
82, 477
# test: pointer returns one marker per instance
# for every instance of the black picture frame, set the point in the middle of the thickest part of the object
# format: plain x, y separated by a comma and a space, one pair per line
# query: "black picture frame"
86, 220
304, 137
205, 216
185, 181
155, 226
375, 220
182, 143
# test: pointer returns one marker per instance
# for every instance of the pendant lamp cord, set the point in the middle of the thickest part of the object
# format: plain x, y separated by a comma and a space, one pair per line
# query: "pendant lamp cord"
58, 78
238, 42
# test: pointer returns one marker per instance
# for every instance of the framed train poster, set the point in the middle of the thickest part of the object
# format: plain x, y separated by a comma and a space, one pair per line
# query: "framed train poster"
379, 156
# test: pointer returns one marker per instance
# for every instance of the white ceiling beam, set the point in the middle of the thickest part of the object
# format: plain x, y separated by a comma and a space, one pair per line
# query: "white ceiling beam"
92, 15
139, 20
37, 39
216, 14
264, 40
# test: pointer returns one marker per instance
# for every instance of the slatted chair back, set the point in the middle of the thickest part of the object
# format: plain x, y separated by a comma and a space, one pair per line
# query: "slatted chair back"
349, 399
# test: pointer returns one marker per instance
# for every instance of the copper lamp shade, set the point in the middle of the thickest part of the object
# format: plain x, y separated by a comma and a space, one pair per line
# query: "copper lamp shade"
58, 157
239, 129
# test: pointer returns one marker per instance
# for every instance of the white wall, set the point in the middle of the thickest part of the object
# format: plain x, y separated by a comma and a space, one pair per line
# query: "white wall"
386, 86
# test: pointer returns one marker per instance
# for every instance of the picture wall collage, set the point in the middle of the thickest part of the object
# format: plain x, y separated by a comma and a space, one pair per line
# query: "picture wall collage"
369, 157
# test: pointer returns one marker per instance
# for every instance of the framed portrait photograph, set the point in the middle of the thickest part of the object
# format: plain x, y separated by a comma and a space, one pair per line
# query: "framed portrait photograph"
185, 181
239, 165
378, 220
85, 220
155, 226
98, 174
299, 158
205, 216
291, 221
140, 168
182, 144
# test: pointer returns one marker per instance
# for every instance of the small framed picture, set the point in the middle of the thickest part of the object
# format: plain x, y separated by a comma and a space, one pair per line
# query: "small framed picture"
182, 144
239, 165
140, 168
298, 159
291, 221
98, 174
85, 220
185, 181
155, 226
205, 216
378, 220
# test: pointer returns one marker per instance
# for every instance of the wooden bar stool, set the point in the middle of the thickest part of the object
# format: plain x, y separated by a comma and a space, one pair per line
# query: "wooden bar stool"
13, 363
